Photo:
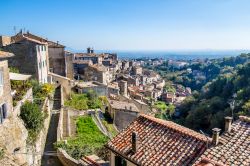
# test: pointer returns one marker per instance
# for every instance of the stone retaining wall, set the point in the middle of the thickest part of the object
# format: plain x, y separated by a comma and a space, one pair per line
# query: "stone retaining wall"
28, 96
37, 147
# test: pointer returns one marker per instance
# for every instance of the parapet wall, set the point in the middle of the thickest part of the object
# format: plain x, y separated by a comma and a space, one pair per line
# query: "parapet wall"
64, 158
28, 96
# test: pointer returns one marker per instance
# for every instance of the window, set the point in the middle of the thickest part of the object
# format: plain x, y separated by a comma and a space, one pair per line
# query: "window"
3, 113
40, 65
1, 82
119, 161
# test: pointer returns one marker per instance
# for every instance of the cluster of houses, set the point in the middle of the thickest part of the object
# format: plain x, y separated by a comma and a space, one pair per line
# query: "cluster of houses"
177, 96
143, 139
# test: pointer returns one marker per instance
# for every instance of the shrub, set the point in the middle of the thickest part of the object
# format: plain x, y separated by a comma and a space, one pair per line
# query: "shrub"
41, 91
89, 140
32, 116
84, 101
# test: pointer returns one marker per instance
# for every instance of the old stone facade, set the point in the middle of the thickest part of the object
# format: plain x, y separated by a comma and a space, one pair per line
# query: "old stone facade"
13, 133
5, 40
122, 112
69, 65
31, 57
97, 73
6, 107
57, 58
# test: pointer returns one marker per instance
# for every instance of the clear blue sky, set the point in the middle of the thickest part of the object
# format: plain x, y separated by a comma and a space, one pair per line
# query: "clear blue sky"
133, 24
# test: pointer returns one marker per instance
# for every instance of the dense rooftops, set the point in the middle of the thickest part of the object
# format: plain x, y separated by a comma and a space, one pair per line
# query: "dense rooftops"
233, 147
159, 143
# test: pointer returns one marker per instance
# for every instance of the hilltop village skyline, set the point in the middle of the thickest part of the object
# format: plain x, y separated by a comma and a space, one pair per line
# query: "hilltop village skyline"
125, 83
90, 108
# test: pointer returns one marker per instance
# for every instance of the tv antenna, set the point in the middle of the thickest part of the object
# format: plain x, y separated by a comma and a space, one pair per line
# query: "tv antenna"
14, 28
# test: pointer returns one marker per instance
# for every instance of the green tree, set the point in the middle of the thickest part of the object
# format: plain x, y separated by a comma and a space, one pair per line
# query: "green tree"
32, 116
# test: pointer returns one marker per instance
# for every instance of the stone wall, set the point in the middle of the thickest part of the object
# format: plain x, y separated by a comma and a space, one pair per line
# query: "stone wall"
5, 91
64, 82
69, 65
123, 118
65, 159
38, 147
13, 132
25, 52
4, 40
143, 108
57, 60
27, 97
13, 135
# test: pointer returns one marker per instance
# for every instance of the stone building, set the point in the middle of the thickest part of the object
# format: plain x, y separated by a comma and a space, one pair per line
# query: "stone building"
123, 85
31, 56
95, 58
137, 70
57, 60
5, 40
125, 65
98, 73
69, 65
99, 88
151, 141
13, 132
122, 113
55, 53
6, 106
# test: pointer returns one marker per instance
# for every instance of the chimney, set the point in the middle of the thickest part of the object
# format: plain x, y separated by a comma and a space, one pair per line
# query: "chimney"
134, 142
57, 42
228, 124
88, 50
92, 50
216, 135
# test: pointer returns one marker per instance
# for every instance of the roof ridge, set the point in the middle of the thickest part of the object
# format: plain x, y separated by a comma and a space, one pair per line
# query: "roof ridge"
177, 127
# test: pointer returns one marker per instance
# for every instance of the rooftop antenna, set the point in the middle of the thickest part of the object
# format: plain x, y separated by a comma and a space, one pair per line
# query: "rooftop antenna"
205, 136
14, 28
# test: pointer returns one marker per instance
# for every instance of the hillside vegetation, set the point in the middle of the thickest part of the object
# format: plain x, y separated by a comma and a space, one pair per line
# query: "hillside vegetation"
226, 82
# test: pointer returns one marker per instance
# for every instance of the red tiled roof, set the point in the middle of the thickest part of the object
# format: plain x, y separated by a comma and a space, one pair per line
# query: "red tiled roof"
234, 147
160, 143
207, 162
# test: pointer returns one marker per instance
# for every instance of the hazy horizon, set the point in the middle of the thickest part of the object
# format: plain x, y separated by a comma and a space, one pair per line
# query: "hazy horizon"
133, 24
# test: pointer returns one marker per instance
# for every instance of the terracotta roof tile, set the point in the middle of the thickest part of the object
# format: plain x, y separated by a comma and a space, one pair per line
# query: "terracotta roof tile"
160, 143
234, 147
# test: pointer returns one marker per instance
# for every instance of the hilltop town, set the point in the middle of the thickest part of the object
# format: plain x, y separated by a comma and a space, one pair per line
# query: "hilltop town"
86, 108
